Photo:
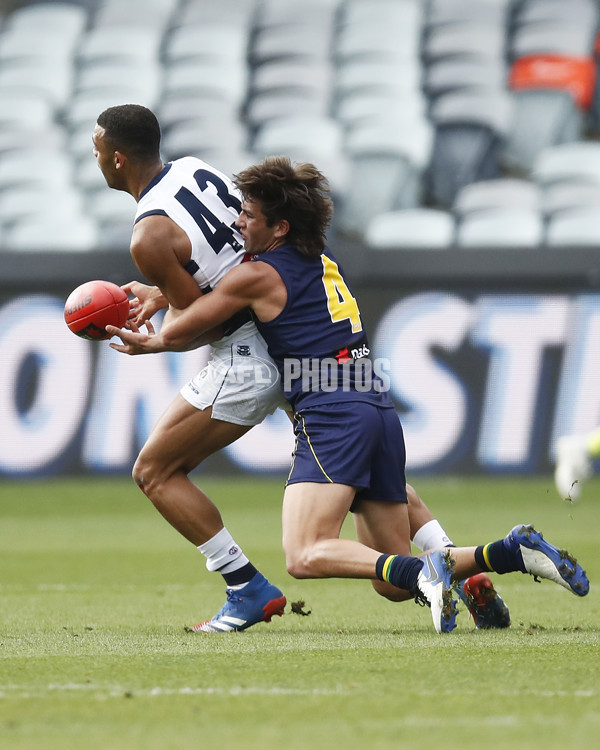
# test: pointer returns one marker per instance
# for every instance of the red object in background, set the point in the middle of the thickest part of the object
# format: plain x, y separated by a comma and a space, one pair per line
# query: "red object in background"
577, 75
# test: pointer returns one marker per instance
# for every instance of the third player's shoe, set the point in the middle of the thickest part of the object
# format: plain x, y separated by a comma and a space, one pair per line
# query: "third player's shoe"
256, 602
483, 602
543, 560
434, 585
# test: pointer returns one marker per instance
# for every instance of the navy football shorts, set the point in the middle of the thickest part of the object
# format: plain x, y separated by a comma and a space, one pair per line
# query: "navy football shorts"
353, 443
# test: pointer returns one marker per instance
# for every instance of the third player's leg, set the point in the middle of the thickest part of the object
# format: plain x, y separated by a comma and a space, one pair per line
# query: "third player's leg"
385, 527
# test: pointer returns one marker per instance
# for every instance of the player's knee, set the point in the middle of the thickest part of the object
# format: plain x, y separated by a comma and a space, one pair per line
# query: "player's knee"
145, 475
300, 564
390, 592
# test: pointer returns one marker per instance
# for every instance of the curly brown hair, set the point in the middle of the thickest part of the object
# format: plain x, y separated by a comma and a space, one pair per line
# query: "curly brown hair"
298, 193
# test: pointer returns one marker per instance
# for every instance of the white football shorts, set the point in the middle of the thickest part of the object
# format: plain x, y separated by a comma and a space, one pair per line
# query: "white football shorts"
240, 381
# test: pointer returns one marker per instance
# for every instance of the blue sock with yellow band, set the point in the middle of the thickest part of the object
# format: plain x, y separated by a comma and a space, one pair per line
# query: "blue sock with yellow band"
399, 570
497, 557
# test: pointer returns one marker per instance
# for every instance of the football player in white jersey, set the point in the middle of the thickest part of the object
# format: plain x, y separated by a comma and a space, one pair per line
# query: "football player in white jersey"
184, 240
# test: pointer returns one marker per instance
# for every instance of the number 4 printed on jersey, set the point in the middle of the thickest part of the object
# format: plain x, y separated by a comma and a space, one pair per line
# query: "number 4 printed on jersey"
340, 302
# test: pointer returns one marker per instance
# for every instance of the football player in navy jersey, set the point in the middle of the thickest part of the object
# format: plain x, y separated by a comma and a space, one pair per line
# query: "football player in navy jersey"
349, 453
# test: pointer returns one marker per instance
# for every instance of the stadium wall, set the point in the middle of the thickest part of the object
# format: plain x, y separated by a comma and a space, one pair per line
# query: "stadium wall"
490, 355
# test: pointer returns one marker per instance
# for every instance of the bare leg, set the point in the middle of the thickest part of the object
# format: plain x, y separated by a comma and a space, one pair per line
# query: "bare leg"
418, 513
384, 527
312, 519
181, 439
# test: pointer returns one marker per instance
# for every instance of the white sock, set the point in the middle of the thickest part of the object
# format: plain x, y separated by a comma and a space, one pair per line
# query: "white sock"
222, 553
431, 536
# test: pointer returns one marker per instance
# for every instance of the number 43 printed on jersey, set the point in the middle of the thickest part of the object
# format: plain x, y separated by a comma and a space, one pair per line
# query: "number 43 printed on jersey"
340, 302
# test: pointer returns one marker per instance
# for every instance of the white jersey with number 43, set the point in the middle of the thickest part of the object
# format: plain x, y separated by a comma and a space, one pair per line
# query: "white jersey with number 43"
205, 204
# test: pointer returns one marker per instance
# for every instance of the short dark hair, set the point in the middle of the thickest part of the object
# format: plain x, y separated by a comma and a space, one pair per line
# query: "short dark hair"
132, 129
298, 193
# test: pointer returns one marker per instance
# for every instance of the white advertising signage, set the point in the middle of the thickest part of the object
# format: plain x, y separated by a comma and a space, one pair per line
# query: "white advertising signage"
482, 383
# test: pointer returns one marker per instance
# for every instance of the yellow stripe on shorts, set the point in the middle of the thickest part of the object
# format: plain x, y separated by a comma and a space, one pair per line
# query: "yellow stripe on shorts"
312, 450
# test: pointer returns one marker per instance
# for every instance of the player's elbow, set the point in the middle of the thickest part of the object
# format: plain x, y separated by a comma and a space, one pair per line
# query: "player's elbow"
173, 339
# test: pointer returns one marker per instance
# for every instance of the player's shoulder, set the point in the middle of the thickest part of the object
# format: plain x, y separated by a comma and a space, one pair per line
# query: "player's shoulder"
153, 233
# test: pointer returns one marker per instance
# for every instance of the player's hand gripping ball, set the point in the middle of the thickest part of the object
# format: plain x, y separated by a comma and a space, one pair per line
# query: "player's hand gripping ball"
93, 306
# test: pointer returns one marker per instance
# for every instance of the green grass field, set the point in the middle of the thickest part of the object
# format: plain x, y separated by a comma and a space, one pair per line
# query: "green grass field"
96, 588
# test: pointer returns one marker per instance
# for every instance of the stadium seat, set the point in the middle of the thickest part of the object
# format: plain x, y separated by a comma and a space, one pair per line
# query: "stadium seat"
377, 42
306, 135
35, 166
87, 175
382, 13
312, 76
29, 111
364, 107
501, 228
377, 78
176, 108
583, 12
229, 161
505, 192
274, 14
232, 13
493, 109
143, 80
201, 78
212, 43
151, 13
578, 227
557, 37
464, 42
87, 105
21, 44
450, 12
107, 43
193, 138
411, 138
573, 75
274, 105
106, 205
569, 161
412, 229
445, 76
378, 182
569, 195
541, 118
290, 42
65, 234
51, 137
29, 201
50, 79
462, 153
67, 19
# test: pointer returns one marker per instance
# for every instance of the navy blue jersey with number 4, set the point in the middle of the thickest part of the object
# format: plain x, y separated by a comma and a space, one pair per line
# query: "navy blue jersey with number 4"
318, 341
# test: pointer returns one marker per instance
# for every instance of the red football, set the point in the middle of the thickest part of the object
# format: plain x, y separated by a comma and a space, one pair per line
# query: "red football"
94, 305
